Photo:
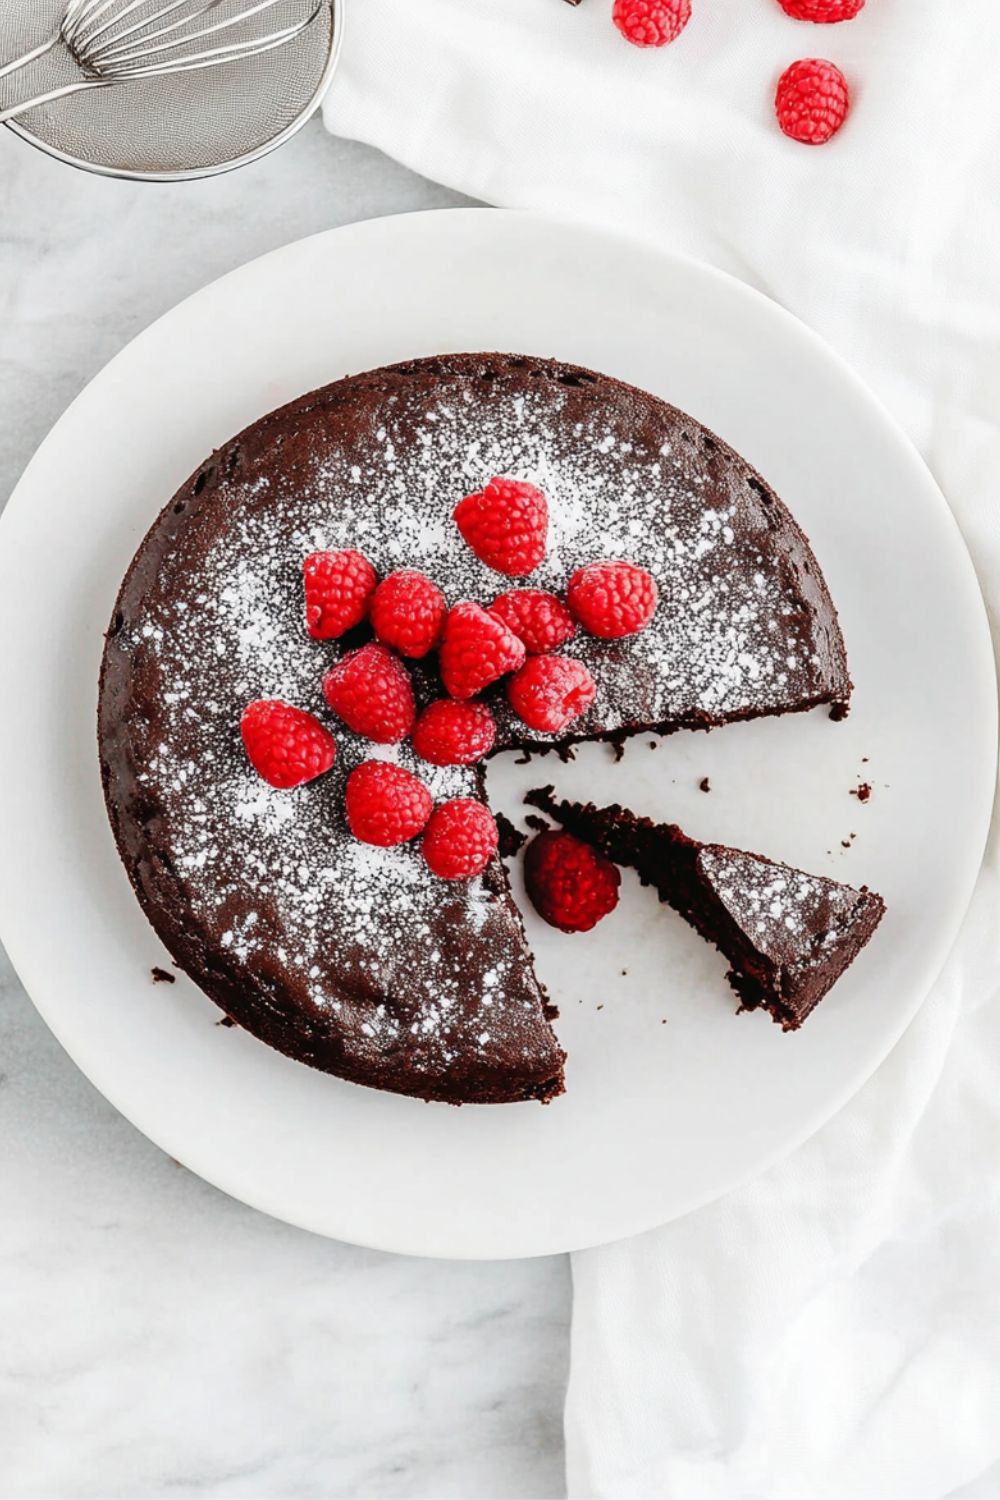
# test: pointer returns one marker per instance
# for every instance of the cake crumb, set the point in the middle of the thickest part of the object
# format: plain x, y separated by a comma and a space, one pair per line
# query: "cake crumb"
624, 973
705, 784
863, 791
161, 976
617, 750
567, 753
600, 1007
653, 744
536, 824
226, 1021
512, 840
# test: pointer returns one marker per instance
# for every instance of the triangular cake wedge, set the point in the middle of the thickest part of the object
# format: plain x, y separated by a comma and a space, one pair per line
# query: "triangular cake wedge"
788, 936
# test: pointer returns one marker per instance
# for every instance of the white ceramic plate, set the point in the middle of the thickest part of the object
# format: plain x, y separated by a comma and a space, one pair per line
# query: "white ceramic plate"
672, 1099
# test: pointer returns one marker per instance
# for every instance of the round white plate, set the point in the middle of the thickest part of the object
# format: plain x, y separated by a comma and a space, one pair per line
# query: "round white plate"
672, 1099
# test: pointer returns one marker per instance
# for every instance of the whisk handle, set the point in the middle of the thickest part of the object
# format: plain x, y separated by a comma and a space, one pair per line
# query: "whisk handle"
28, 57
69, 88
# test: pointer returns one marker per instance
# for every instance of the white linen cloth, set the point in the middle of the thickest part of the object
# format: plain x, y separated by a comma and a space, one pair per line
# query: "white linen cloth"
833, 1329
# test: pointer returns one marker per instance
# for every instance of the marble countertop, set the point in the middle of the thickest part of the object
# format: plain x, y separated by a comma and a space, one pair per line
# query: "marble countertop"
157, 1338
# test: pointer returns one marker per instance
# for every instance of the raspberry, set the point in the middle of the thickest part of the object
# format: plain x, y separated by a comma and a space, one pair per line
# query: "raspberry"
371, 691
407, 612
285, 745
825, 11
538, 619
339, 587
549, 692
454, 734
476, 649
461, 838
811, 101
571, 886
386, 804
612, 599
505, 525
651, 23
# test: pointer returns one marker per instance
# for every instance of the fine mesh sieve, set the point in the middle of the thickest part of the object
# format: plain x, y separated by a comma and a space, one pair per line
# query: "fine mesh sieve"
185, 125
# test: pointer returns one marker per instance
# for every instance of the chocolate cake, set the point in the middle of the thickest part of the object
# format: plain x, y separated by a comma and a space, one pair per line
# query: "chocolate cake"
352, 958
788, 936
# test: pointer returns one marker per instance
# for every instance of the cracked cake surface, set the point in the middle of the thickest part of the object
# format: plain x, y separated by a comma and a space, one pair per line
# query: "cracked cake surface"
352, 958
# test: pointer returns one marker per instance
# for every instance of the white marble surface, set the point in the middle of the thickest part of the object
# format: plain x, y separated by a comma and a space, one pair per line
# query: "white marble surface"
157, 1338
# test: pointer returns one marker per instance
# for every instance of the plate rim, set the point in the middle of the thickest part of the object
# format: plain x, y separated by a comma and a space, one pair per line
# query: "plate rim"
855, 1078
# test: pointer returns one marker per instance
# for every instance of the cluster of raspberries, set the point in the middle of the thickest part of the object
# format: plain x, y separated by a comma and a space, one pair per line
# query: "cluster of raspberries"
518, 638
811, 102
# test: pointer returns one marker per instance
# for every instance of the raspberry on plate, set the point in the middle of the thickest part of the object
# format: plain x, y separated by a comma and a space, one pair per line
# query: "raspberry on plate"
386, 804
612, 599
371, 691
811, 101
651, 23
408, 612
339, 587
285, 745
538, 619
506, 525
477, 648
549, 692
826, 12
460, 839
449, 733
571, 886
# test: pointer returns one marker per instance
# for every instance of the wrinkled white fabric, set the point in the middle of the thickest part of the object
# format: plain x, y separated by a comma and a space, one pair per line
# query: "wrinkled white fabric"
831, 1331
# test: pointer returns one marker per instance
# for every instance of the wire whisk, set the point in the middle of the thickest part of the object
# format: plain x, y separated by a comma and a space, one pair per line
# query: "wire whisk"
120, 41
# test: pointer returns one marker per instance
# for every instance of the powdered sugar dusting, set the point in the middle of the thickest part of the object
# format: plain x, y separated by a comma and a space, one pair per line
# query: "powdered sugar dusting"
726, 632
778, 906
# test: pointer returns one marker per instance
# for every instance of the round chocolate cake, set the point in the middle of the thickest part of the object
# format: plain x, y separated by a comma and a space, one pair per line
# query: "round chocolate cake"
353, 958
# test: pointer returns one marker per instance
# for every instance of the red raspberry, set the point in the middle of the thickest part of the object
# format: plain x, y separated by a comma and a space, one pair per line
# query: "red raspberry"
371, 691
386, 804
538, 619
285, 745
651, 23
476, 649
612, 599
454, 734
339, 587
506, 525
407, 612
825, 11
461, 839
549, 692
811, 101
571, 886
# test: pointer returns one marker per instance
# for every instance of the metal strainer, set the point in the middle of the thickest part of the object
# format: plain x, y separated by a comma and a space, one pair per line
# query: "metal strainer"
181, 126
